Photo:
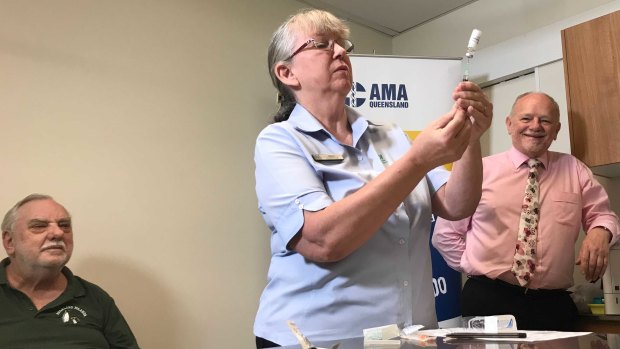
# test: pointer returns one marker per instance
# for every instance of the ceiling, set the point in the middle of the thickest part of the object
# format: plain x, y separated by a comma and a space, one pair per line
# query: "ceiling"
391, 17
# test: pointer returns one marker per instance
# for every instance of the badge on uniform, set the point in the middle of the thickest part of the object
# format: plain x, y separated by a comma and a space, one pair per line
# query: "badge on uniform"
328, 157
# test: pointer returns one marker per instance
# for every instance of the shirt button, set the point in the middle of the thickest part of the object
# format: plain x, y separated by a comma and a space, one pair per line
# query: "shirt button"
297, 201
401, 241
405, 283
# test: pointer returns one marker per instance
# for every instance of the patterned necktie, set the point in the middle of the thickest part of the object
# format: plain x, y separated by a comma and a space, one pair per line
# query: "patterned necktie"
525, 252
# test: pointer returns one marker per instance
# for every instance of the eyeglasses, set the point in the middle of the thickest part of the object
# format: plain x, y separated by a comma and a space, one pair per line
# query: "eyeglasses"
346, 44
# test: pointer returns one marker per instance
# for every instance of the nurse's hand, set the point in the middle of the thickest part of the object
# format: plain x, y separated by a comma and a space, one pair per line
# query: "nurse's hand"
443, 140
470, 97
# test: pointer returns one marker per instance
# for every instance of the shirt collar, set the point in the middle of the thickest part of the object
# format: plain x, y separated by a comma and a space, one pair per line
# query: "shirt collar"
302, 120
518, 158
75, 288
3, 264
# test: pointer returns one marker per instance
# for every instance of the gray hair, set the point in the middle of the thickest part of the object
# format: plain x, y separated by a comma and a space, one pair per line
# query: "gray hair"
556, 107
11, 216
281, 47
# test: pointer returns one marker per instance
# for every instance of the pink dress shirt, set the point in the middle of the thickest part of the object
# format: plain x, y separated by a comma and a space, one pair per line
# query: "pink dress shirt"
570, 197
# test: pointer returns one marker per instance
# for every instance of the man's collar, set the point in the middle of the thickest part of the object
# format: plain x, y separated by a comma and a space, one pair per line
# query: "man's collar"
74, 289
77, 288
3, 264
518, 158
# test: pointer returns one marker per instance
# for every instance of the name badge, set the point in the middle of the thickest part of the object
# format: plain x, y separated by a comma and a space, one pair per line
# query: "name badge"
328, 157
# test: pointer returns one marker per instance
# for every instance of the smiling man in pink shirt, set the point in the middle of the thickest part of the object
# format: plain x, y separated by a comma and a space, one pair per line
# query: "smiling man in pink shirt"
569, 197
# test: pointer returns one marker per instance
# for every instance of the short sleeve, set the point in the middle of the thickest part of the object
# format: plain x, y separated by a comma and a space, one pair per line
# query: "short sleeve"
437, 177
286, 182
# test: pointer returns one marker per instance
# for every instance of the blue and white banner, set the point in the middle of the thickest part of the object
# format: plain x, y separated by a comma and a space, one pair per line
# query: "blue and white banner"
412, 92
408, 91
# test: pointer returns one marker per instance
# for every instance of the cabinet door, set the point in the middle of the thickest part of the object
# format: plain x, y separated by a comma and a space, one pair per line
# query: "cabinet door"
592, 75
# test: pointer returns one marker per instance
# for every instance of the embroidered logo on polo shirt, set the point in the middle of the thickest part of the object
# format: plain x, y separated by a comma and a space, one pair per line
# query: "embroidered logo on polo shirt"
71, 314
383, 161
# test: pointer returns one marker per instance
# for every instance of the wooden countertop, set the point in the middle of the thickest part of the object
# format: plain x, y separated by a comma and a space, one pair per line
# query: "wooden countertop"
599, 323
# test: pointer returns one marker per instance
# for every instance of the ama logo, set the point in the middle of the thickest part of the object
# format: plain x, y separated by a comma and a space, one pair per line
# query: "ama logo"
352, 100
381, 96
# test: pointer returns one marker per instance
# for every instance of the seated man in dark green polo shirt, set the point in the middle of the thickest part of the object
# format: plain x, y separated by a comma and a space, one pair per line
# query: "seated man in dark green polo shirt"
42, 304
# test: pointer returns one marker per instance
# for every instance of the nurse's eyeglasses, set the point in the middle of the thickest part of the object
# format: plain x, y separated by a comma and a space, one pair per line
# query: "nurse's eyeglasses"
312, 44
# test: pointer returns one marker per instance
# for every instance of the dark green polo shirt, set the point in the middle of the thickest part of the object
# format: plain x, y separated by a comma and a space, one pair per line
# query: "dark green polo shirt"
83, 316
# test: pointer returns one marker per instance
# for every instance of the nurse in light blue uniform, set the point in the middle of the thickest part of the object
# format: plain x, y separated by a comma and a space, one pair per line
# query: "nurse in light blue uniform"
348, 201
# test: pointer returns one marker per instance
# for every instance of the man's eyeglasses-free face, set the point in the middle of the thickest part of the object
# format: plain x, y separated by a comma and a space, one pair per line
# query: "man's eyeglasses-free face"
312, 44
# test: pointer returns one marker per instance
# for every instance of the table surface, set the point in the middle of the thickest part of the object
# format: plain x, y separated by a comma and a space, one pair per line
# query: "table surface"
590, 341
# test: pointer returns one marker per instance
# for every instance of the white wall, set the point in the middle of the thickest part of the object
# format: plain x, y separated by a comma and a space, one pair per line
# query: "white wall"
499, 21
140, 117
517, 35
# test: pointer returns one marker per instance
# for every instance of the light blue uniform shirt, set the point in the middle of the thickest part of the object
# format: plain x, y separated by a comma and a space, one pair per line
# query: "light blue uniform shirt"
387, 280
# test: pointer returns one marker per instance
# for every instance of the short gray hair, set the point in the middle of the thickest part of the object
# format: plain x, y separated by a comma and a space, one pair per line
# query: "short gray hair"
11, 216
556, 106
281, 47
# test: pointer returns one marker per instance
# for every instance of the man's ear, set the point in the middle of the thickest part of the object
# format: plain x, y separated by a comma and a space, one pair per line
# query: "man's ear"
557, 131
508, 124
7, 242
284, 73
